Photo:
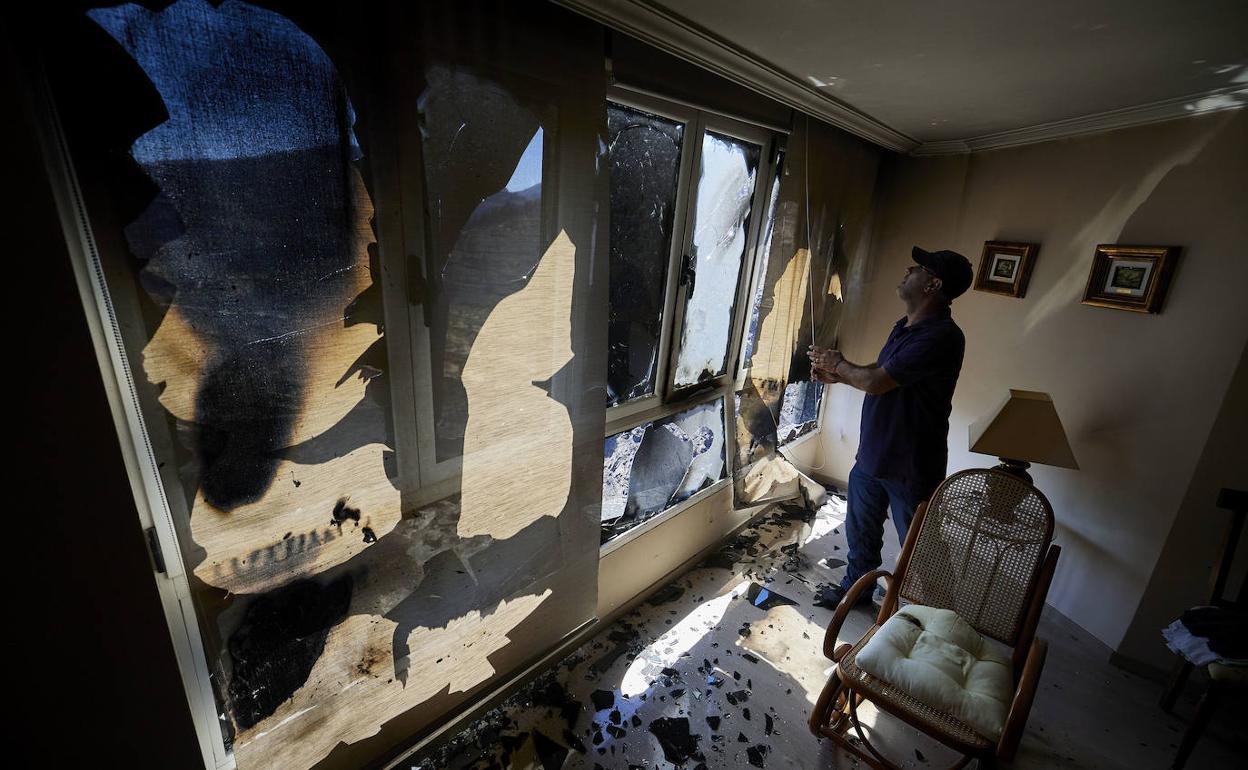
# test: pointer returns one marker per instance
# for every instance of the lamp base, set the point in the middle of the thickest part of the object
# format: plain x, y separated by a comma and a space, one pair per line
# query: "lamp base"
1015, 467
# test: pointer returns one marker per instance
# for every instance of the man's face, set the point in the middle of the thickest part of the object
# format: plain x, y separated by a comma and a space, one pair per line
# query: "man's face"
914, 283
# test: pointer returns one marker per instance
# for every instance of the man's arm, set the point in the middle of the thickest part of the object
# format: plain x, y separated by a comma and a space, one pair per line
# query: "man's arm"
872, 378
832, 367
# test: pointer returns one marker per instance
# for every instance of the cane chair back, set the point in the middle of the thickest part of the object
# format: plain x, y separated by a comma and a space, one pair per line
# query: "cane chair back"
979, 549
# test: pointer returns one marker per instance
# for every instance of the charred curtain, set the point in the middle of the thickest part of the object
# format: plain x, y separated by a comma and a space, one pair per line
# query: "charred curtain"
815, 257
357, 271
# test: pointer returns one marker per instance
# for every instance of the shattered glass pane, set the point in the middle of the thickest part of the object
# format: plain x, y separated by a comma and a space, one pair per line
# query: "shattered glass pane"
483, 176
721, 226
652, 467
645, 165
756, 302
799, 410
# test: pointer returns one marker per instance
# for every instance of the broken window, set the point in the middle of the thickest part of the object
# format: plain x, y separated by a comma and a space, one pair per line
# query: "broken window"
799, 410
725, 198
683, 182
645, 152
656, 465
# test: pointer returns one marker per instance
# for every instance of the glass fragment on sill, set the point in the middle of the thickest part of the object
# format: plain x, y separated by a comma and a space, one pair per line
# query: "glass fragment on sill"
799, 409
721, 228
644, 165
652, 467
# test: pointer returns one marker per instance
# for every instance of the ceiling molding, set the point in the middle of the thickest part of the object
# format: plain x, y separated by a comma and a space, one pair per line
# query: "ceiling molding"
946, 147
1217, 100
681, 37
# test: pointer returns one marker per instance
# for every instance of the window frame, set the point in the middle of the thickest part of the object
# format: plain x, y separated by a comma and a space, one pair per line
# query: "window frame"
764, 139
436, 479
651, 403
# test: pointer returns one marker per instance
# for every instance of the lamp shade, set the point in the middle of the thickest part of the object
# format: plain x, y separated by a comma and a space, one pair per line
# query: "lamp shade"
1024, 428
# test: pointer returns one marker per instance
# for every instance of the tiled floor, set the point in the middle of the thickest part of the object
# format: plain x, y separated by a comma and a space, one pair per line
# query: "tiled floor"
720, 669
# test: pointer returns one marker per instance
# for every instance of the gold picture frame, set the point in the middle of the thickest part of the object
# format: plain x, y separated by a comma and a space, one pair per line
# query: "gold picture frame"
1133, 278
1005, 267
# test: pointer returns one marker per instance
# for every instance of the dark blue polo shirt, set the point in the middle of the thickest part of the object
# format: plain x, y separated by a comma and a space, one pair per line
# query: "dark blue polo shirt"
905, 432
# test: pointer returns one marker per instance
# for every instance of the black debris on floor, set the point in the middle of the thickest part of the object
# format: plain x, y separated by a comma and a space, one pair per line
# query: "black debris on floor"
678, 744
649, 691
765, 598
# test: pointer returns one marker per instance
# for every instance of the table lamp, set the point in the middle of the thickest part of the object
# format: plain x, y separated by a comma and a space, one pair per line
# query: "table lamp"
1024, 430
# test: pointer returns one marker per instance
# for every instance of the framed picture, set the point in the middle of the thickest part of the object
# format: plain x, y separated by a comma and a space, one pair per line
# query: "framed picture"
1131, 278
1005, 267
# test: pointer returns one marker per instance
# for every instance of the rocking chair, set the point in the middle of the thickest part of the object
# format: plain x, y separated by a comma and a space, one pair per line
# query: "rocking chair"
980, 547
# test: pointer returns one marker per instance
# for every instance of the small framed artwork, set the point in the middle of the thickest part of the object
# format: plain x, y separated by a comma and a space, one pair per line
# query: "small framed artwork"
1005, 267
1131, 278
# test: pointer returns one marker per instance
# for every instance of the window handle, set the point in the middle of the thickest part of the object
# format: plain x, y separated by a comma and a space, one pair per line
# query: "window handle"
418, 288
688, 275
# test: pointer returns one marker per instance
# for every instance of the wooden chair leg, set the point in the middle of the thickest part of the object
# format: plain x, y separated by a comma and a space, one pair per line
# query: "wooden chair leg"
1182, 669
819, 715
1203, 712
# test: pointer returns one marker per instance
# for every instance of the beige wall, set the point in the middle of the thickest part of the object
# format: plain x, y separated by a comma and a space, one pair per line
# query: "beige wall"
1184, 572
1138, 394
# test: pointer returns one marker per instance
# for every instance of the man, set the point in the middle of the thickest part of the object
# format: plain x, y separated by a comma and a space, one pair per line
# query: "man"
903, 447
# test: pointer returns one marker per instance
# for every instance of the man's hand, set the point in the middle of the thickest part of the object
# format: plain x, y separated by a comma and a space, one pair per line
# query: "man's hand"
824, 376
825, 359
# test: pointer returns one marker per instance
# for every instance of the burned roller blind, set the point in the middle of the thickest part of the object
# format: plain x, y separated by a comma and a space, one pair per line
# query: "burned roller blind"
654, 466
644, 152
815, 255
254, 248
725, 195
232, 194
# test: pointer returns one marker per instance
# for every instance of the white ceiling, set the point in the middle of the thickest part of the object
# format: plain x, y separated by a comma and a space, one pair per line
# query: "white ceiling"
939, 71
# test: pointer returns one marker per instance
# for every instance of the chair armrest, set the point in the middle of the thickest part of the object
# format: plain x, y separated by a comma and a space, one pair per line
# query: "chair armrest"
847, 603
1016, 720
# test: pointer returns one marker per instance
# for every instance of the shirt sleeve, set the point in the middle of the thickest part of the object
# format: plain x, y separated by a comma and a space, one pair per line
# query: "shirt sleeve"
923, 357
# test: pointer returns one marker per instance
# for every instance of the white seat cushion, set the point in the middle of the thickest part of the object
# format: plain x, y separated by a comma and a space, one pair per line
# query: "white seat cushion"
938, 659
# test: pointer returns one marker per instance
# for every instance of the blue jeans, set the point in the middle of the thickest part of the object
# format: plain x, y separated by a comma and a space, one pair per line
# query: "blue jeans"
870, 499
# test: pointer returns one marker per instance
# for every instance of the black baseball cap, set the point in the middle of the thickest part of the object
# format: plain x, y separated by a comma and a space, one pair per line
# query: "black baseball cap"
953, 270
